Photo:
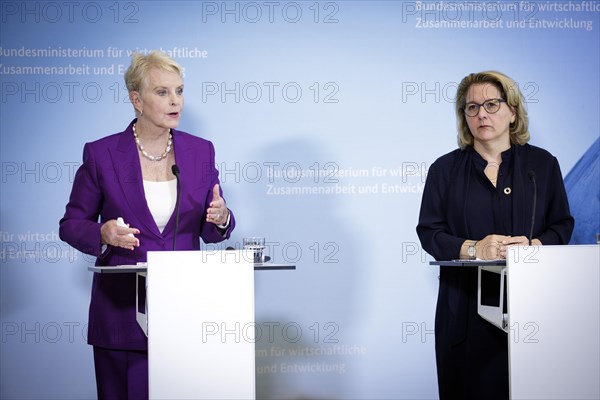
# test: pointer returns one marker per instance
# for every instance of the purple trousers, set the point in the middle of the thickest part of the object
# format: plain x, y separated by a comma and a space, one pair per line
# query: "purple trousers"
121, 374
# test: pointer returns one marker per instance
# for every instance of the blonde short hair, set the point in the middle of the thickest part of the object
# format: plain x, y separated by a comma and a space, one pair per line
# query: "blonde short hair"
519, 129
141, 64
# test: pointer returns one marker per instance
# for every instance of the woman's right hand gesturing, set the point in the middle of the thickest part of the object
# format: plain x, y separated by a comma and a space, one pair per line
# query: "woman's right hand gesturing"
119, 236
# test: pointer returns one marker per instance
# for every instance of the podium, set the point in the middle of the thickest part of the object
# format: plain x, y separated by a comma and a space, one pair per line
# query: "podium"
197, 309
552, 318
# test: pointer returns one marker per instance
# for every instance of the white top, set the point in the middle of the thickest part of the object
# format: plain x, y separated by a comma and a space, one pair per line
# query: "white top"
161, 198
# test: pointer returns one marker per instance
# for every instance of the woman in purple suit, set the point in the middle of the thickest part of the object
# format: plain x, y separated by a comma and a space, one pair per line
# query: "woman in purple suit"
129, 177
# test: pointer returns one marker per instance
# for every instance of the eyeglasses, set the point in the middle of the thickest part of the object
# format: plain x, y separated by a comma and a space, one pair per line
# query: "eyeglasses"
491, 106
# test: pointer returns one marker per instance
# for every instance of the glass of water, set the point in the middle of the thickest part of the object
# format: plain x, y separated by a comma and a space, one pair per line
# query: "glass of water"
257, 246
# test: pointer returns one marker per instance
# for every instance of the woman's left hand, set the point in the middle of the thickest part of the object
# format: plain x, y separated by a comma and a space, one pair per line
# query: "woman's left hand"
217, 211
516, 241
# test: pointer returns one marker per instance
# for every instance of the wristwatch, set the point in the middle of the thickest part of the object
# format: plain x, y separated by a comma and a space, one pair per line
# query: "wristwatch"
471, 250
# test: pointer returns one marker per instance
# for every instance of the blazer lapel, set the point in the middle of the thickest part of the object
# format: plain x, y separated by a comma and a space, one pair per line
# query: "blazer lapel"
128, 172
523, 193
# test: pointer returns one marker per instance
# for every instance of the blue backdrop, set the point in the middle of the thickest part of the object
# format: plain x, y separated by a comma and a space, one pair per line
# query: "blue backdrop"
325, 116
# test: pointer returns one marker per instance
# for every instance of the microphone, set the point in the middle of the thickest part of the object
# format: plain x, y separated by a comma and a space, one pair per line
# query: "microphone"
531, 176
175, 170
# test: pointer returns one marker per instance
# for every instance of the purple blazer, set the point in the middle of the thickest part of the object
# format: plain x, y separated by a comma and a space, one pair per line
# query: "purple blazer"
109, 185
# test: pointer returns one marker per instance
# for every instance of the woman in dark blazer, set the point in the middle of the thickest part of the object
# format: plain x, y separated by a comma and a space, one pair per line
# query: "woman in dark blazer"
128, 176
477, 201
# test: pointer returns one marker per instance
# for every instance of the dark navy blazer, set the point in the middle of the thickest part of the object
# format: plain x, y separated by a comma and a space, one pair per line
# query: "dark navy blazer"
459, 203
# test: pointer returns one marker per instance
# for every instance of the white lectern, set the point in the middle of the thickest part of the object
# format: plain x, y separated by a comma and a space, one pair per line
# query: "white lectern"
552, 319
554, 322
200, 325
197, 309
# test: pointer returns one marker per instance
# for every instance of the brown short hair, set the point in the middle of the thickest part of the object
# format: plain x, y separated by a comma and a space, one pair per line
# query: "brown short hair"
519, 129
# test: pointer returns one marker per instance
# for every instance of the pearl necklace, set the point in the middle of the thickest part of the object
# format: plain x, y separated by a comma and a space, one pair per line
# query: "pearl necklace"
150, 156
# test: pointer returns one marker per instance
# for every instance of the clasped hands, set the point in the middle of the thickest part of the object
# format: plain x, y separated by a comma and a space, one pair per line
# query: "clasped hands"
123, 236
494, 247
